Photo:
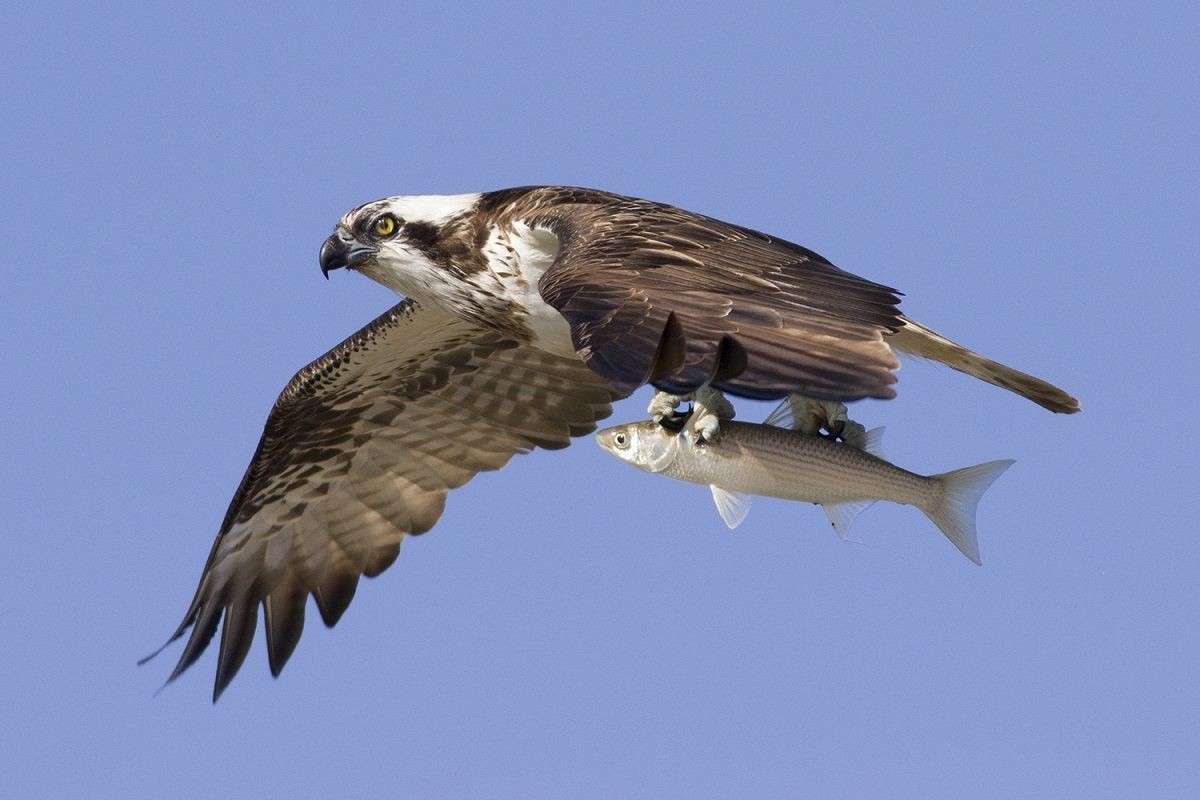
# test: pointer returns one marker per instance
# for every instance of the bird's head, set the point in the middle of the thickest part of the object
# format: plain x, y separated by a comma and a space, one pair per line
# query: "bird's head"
407, 243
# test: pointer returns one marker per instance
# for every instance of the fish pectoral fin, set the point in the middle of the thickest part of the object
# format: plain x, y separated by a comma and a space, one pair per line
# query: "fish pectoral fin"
841, 515
732, 507
660, 452
781, 416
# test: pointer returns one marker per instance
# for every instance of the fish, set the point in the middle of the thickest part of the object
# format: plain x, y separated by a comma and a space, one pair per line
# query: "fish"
772, 459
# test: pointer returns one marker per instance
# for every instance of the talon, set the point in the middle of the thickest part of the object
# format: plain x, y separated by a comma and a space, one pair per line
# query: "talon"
706, 429
814, 416
709, 408
808, 415
854, 434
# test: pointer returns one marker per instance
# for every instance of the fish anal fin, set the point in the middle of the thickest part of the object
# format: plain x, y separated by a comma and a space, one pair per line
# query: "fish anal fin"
732, 506
841, 515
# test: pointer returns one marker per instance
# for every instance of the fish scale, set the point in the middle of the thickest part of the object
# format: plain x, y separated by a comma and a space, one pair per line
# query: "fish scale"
777, 462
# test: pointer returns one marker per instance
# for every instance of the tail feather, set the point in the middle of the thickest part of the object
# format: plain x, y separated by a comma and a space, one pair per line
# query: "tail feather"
954, 510
915, 339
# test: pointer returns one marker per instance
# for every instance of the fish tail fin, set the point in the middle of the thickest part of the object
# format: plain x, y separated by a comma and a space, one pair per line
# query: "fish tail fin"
954, 509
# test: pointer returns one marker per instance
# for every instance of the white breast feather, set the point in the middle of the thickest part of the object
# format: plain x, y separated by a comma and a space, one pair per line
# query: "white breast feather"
518, 257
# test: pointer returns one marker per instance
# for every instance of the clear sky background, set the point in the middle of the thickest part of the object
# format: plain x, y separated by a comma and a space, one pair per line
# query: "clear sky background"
573, 628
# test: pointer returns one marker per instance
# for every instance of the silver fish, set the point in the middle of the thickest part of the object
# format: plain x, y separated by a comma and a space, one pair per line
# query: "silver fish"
773, 461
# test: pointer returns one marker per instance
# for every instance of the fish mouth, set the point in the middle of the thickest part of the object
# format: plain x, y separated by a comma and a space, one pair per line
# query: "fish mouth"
604, 438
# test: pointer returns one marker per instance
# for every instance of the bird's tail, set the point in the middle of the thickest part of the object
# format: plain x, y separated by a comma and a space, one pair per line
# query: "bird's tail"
954, 509
917, 340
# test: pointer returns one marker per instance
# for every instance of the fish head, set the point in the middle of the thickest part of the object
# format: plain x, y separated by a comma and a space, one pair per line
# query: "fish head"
646, 445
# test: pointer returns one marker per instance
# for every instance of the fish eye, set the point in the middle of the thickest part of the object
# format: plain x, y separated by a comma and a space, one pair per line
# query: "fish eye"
621, 440
384, 225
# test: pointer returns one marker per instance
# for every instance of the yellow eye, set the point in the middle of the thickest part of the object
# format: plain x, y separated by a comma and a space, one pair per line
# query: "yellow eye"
385, 225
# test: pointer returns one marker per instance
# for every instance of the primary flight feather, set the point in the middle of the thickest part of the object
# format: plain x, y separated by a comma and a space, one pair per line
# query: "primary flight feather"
529, 311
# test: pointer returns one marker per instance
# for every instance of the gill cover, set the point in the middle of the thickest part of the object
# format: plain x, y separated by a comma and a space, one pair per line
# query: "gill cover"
659, 448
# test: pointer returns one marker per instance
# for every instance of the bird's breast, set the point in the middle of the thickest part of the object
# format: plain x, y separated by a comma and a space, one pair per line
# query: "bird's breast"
518, 256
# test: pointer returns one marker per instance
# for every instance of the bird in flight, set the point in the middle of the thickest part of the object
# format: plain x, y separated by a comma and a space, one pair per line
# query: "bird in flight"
527, 312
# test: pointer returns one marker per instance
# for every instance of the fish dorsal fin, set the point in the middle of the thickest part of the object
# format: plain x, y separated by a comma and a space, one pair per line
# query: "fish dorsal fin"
660, 451
841, 515
872, 442
782, 416
732, 507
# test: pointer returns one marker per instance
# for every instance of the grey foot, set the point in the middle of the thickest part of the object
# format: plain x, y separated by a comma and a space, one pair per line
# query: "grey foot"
854, 434
663, 405
709, 408
812, 416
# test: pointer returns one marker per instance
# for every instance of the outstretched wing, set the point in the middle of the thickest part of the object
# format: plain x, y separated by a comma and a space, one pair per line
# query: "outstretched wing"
655, 293
360, 450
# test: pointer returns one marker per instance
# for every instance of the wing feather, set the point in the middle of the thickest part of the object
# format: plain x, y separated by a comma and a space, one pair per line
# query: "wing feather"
755, 315
237, 633
283, 617
360, 450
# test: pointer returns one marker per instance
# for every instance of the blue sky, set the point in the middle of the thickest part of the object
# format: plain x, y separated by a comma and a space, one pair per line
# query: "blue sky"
1027, 176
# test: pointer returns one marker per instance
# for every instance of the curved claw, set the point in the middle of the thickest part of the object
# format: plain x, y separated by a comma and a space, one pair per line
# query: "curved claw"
854, 434
709, 408
706, 428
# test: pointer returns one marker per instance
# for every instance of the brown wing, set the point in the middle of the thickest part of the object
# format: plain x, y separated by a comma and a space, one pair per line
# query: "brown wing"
360, 450
655, 293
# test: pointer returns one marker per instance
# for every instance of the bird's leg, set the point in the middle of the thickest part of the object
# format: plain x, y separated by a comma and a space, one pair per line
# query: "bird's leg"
812, 416
709, 408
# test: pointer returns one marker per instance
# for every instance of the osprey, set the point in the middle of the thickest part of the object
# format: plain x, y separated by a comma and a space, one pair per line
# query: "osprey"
528, 312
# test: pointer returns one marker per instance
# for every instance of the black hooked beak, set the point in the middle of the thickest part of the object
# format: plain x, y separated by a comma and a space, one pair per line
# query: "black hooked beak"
341, 250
